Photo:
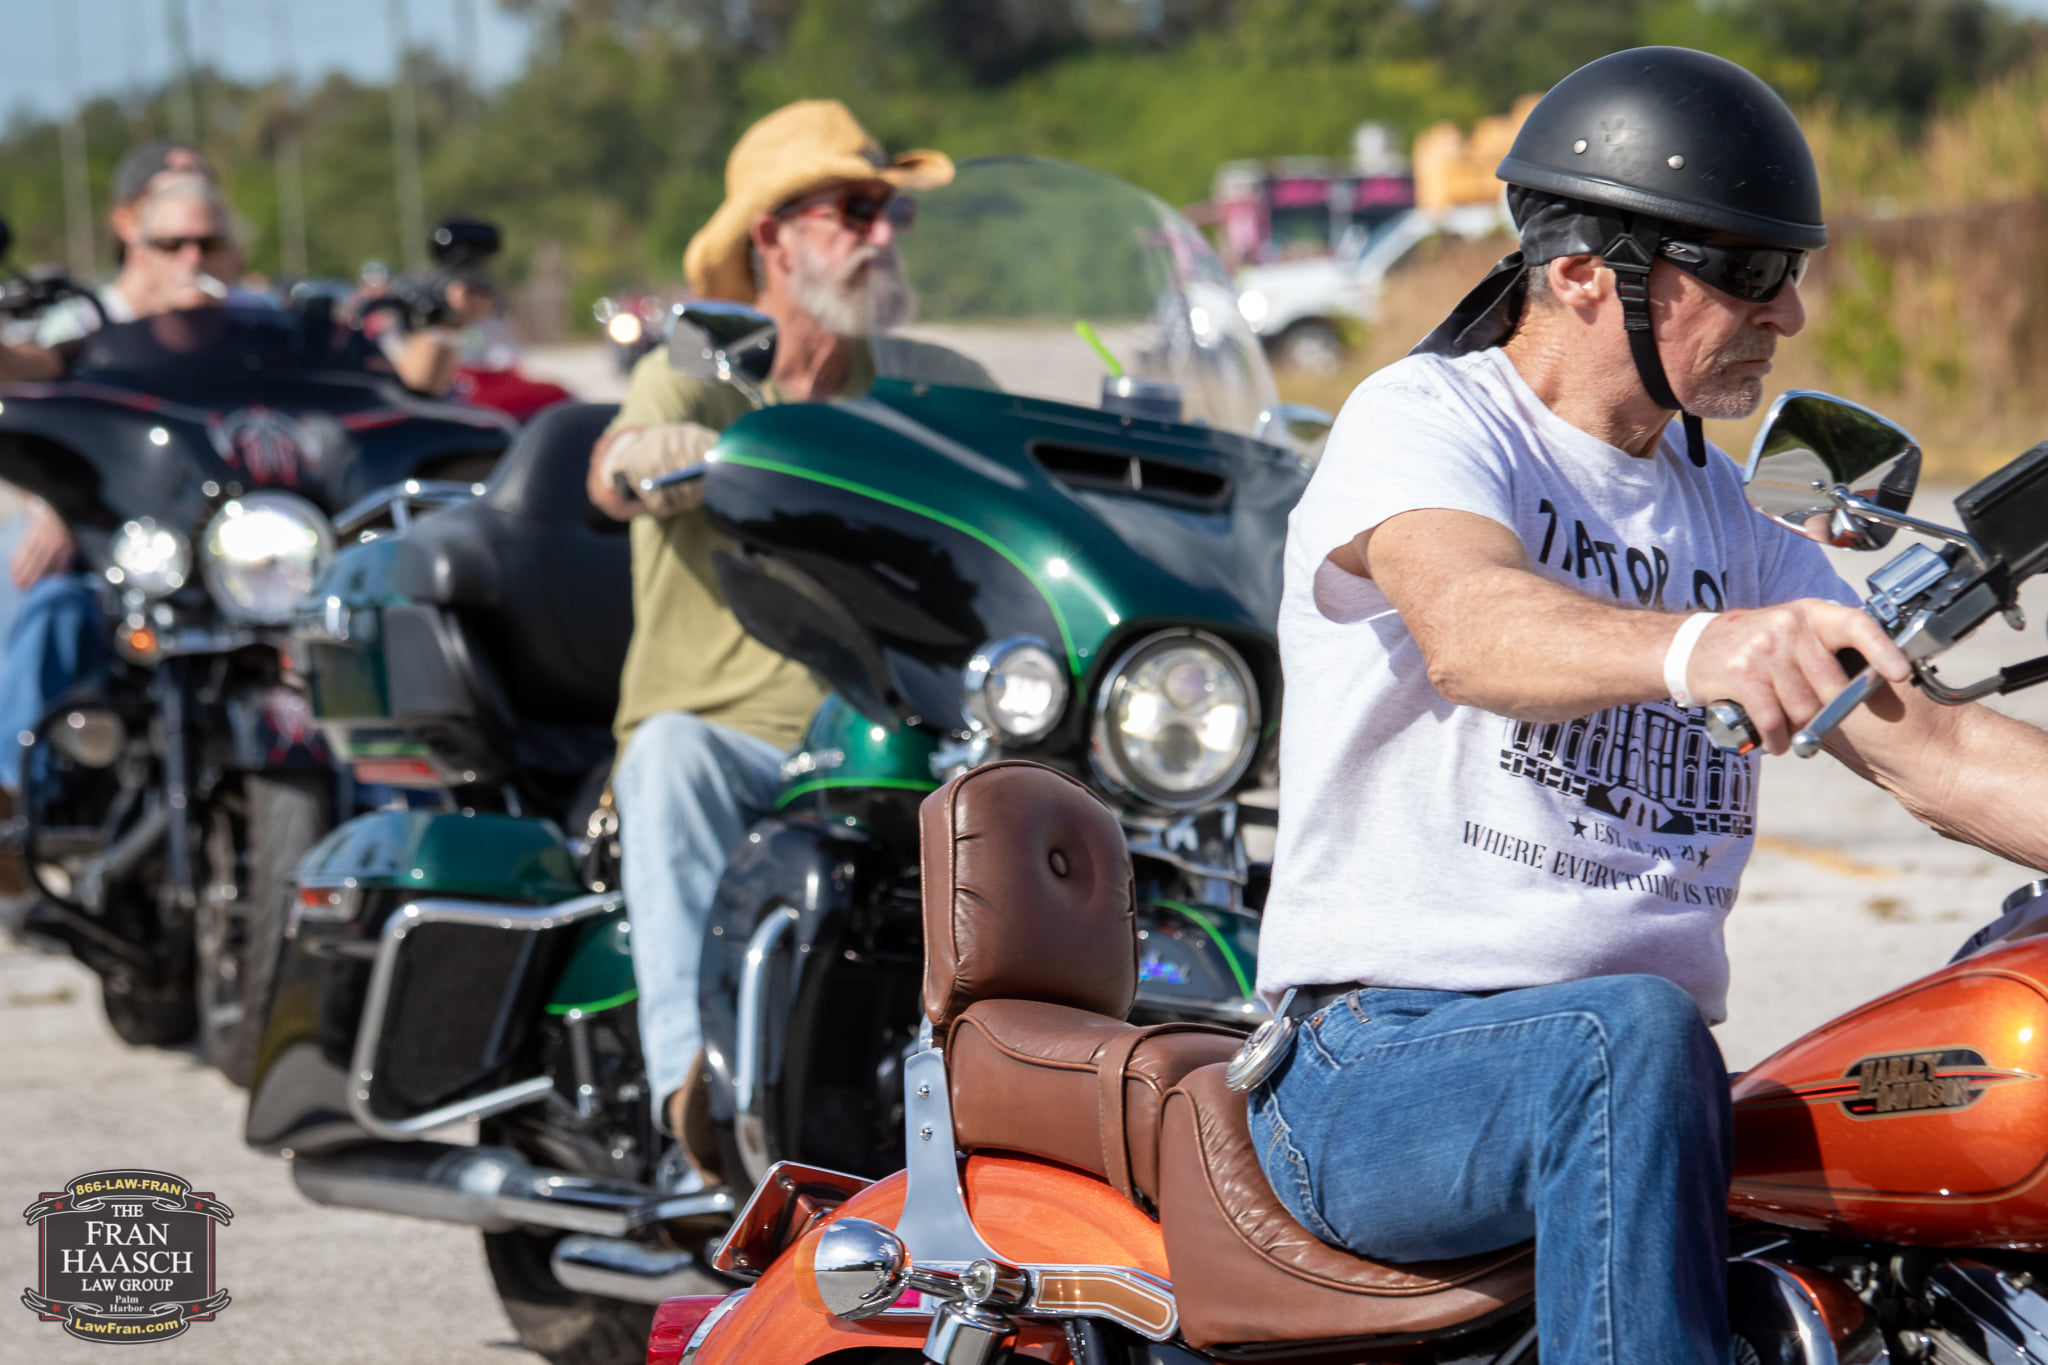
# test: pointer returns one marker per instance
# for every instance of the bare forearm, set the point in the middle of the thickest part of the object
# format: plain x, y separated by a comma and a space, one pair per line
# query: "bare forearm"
1538, 651
1969, 773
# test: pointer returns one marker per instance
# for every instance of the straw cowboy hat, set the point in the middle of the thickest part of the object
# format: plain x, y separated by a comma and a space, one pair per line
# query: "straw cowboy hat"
799, 148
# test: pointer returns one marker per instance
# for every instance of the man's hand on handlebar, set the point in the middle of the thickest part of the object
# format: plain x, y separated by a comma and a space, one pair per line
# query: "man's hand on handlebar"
602, 489
1779, 663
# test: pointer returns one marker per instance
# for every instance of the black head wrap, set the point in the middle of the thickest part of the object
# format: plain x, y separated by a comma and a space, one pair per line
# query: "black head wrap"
1553, 226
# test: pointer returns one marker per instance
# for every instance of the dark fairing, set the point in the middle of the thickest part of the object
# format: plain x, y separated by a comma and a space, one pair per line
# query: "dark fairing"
244, 399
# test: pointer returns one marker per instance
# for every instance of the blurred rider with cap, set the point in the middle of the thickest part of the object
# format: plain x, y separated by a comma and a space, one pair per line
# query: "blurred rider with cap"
807, 236
1506, 844
182, 256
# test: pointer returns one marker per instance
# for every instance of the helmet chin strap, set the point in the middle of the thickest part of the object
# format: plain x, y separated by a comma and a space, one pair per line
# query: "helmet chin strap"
1629, 255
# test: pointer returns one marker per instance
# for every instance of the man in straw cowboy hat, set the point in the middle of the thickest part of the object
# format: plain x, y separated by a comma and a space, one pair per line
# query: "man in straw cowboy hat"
806, 235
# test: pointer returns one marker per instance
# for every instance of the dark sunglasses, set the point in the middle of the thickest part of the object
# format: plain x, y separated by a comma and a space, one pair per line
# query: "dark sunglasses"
860, 209
1753, 274
171, 246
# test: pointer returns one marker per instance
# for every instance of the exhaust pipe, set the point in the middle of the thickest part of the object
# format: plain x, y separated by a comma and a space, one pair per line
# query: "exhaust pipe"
491, 1188
633, 1271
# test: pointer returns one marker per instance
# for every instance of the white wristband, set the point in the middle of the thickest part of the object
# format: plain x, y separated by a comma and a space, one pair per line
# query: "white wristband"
1679, 656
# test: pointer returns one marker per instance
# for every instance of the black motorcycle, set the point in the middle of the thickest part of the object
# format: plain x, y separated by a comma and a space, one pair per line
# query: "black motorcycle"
207, 464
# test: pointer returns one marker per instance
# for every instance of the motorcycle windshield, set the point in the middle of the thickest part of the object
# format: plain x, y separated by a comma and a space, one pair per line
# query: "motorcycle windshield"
1049, 280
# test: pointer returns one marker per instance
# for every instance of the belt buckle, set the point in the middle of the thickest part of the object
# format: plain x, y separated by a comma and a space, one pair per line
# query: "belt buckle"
1261, 1054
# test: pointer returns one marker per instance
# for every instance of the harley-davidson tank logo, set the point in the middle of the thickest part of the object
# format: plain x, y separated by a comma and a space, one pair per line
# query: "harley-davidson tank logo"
1900, 1083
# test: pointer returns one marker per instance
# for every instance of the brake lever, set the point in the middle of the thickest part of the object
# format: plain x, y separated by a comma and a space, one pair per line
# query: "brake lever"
1808, 741
629, 491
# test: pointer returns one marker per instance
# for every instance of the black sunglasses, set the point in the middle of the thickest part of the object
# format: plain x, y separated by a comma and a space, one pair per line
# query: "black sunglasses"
171, 246
1753, 274
859, 209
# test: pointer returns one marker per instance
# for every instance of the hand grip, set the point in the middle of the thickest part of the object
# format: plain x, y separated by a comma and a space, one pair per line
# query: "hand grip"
1728, 725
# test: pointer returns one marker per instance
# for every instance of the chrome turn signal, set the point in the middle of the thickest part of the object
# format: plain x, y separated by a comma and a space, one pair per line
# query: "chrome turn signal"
856, 1267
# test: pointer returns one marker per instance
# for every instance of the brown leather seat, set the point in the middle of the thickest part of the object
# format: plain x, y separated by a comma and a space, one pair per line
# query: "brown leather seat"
1245, 1271
1031, 962
1042, 1079
1030, 967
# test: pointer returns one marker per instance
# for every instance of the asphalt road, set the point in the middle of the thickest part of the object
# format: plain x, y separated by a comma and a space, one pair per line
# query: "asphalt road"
1847, 897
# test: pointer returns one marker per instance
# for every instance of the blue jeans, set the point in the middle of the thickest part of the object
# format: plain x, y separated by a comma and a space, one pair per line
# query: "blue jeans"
1413, 1125
687, 789
58, 642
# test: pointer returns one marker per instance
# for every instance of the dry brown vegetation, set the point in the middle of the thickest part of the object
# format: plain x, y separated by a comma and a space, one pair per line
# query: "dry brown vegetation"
1930, 303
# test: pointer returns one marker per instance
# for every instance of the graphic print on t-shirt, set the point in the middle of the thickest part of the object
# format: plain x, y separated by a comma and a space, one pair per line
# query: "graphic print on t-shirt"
1650, 764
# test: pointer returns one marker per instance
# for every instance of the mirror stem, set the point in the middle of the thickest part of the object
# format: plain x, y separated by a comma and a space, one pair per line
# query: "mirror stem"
1849, 502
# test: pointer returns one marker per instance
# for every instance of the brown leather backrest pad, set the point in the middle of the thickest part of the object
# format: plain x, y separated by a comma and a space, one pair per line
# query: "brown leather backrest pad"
1027, 894
1025, 1078
1244, 1270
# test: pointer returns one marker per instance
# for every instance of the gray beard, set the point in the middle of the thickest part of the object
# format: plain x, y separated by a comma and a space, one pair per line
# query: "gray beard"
854, 301
1724, 398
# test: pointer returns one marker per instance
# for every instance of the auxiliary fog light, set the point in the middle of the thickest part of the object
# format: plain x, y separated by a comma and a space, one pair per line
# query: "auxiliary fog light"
1017, 688
151, 559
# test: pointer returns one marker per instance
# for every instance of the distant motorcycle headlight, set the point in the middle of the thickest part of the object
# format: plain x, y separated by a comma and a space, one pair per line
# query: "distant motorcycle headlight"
263, 553
1254, 306
1017, 688
624, 328
149, 558
1177, 719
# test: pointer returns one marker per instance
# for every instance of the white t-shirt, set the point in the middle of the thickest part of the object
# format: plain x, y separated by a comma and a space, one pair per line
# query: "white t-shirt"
1444, 847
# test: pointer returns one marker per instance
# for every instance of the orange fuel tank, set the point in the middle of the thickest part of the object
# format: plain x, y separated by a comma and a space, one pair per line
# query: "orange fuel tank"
1921, 1117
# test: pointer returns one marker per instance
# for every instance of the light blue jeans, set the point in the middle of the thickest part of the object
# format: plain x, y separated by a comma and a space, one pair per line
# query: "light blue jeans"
687, 789
58, 642
1593, 1116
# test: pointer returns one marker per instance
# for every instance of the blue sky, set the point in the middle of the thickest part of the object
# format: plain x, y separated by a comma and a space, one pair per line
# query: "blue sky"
125, 42
122, 43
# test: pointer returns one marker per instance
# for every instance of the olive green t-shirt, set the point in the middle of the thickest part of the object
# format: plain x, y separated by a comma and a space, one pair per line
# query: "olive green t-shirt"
688, 651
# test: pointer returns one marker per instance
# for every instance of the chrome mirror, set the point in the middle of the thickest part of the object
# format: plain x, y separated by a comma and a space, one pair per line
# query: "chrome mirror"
1810, 446
728, 343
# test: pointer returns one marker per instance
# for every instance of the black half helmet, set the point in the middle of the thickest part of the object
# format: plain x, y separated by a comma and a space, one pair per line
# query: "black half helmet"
1621, 156
1675, 134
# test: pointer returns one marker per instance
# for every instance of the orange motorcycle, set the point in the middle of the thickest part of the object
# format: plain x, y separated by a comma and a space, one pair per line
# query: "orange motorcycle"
1079, 1189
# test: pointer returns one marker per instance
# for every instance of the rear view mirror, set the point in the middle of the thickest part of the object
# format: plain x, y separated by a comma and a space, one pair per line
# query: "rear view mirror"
728, 343
459, 242
1811, 444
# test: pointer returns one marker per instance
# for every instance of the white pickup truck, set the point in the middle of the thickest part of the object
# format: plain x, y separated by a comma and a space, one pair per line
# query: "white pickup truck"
1302, 309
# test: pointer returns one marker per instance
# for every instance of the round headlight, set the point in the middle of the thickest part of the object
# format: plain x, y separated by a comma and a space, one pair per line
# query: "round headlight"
1177, 719
1016, 688
149, 558
263, 553
624, 328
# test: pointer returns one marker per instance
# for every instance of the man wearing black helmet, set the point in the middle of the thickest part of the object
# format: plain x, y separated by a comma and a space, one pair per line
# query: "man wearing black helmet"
1506, 846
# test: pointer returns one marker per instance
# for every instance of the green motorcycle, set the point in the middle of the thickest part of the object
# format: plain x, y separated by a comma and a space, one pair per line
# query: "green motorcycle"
1052, 529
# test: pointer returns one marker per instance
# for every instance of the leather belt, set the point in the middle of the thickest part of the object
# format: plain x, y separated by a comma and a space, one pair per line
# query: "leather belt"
1308, 999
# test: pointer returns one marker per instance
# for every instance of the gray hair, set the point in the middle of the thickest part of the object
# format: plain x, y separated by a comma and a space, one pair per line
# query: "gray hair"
187, 186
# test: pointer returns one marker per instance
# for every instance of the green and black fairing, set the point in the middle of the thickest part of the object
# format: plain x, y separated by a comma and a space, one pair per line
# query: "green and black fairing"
884, 542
